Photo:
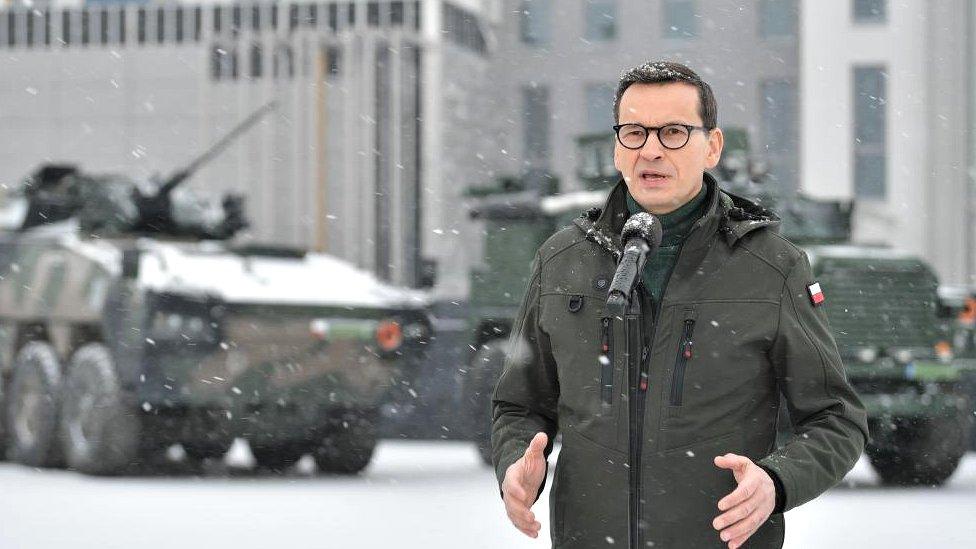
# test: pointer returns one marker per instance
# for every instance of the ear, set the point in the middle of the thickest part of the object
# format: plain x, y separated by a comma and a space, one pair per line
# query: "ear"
617, 150
716, 140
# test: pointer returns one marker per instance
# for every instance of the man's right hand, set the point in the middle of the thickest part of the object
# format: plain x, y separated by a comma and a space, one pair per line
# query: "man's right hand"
521, 484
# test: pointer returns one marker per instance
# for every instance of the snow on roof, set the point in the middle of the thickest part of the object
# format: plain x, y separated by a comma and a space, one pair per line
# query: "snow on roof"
847, 251
579, 200
316, 279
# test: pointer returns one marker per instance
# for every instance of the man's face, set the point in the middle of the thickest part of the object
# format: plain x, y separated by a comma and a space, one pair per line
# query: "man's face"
660, 179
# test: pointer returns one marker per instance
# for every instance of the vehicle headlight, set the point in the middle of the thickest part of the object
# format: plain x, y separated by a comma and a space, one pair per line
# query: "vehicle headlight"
169, 326
903, 356
867, 354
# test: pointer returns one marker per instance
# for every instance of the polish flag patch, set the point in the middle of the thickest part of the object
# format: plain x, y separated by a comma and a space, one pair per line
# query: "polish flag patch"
816, 294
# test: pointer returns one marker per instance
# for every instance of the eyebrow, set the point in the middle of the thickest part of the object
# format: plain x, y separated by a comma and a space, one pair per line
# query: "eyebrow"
668, 123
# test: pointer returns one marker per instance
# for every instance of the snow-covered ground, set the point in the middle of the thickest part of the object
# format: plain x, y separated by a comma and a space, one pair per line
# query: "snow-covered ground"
414, 495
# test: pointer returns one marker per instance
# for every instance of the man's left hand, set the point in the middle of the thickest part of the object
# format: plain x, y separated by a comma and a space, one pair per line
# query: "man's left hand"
749, 505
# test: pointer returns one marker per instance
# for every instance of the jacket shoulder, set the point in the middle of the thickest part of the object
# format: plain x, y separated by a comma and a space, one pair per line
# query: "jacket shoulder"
563, 239
774, 249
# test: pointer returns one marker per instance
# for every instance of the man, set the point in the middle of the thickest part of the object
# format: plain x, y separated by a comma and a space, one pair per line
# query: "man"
730, 318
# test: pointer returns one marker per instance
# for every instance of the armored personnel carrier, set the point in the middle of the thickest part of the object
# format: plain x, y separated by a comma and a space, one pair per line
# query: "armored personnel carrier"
883, 308
130, 320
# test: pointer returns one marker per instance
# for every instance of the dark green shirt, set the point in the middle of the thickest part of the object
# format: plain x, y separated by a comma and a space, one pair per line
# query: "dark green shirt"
676, 225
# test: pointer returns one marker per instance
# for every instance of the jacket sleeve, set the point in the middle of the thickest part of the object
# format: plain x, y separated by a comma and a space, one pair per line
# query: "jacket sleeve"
829, 420
525, 398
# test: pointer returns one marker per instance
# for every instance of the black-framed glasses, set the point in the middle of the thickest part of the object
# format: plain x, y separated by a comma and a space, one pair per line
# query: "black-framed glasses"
672, 136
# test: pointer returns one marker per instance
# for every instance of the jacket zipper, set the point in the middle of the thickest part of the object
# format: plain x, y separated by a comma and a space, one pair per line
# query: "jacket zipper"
685, 352
606, 359
635, 539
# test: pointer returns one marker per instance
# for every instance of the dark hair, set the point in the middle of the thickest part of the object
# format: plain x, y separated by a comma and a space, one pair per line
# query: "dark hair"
662, 72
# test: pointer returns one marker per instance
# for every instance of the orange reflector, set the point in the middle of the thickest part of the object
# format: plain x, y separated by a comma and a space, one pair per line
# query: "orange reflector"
389, 336
943, 350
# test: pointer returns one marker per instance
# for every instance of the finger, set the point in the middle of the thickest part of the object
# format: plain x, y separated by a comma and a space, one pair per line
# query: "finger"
735, 514
744, 527
744, 491
528, 527
737, 542
537, 445
732, 461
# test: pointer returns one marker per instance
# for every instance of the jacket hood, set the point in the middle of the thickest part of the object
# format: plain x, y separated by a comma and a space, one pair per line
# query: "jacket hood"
727, 213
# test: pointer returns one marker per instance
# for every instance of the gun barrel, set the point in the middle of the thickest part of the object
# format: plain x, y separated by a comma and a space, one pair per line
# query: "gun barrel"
181, 175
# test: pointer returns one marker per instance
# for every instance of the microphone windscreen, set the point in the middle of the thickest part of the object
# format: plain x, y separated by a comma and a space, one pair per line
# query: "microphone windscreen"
643, 225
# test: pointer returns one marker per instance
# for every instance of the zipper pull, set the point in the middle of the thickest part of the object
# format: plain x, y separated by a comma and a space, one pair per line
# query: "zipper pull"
605, 336
687, 351
643, 373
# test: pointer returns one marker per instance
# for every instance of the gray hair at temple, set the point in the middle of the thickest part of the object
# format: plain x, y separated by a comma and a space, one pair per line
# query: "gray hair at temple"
662, 72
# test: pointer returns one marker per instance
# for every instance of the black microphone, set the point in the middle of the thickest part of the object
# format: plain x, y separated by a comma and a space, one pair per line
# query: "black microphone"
641, 236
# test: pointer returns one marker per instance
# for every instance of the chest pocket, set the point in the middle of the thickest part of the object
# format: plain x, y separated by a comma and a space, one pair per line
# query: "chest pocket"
587, 344
717, 365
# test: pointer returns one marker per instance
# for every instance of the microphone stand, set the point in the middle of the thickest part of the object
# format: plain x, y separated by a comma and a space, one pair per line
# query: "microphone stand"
634, 346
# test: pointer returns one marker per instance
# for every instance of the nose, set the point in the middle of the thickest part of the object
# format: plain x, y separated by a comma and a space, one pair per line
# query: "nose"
652, 149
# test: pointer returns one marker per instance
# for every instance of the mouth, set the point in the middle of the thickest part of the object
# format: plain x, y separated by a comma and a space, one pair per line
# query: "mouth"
652, 176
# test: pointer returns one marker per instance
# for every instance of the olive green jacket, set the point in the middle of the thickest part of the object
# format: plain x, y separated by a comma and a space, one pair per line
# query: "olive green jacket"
736, 327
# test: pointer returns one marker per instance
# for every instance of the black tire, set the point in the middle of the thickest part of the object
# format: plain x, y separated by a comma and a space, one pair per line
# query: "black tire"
347, 445
203, 449
102, 431
486, 367
33, 404
924, 452
277, 456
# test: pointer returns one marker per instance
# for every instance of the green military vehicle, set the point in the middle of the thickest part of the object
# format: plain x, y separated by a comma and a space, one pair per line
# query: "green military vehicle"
882, 305
131, 321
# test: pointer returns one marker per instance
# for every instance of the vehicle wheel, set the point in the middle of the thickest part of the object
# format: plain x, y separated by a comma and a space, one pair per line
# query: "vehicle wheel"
486, 367
32, 406
102, 433
277, 456
347, 445
202, 449
926, 451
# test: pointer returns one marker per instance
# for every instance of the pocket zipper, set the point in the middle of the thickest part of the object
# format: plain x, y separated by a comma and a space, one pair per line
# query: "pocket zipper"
685, 353
606, 359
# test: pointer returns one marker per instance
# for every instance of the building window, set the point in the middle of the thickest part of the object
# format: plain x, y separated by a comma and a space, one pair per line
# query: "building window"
293, 17
870, 11
680, 19
141, 26
66, 27
312, 16
333, 17
256, 17
461, 27
197, 23
373, 14
179, 25
283, 63
396, 14
160, 25
47, 27
535, 111
255, 61
599, 103
333, 58
103, 26
121, 16
85, 28
30, 27
534, 21
600, 19
870, 93
217, 12
777, 18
